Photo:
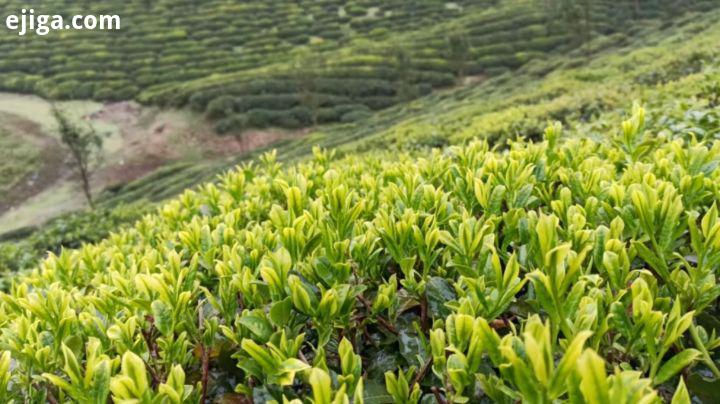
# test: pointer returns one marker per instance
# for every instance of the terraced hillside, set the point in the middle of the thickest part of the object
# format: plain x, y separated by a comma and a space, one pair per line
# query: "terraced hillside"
667, 66
532, 238
297, 64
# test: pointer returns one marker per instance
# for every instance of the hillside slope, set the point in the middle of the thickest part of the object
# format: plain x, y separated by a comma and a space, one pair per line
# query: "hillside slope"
460, 248
260, 283
38, 183
297, 64
660, 65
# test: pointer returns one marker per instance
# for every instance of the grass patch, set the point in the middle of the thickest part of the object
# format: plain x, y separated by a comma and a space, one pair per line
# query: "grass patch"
20, 159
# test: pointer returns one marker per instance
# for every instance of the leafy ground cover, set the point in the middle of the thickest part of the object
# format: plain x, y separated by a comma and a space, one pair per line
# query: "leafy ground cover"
454, 249
23, 248
569, 268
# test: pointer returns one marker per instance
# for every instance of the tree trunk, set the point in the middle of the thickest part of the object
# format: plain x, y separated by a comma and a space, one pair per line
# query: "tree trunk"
84, 171
86, 187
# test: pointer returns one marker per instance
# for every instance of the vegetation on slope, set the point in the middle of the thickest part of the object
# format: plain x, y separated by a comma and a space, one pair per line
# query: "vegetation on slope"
571, 268
116, 207
672, 68
20, 162
22, 249
295, 65
576, 266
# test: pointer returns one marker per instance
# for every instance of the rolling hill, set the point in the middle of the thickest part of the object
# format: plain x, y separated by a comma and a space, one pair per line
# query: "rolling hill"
297, 64
543, 230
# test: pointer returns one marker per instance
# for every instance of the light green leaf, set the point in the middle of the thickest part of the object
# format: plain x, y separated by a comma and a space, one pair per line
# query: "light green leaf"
681, 395
162, 314
567, 364
593, 385
676, 364
321, 385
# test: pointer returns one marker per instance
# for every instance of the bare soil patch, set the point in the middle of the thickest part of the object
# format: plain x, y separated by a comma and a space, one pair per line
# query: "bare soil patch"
139, 141
151, 138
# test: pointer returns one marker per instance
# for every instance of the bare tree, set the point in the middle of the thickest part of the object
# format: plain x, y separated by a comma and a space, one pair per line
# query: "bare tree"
85, 146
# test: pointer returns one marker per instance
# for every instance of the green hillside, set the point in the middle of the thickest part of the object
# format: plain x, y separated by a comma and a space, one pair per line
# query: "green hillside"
579, 90
545, 231
296, 64
660, 64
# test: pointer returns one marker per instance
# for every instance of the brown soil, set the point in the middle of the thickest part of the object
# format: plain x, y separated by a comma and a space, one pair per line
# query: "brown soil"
153, 138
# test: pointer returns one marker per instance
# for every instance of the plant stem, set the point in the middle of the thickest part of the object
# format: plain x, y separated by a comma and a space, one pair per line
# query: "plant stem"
701, 347
302, 357
205, 353
423, 371
152, 348
205, 372
51, 398
380, 319
423, 312
438, 397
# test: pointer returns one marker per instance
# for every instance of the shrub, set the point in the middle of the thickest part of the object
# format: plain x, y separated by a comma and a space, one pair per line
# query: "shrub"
66, 232
267, 101
262, 118
220, 107
233, 123
341, 110
567, 268
353, 116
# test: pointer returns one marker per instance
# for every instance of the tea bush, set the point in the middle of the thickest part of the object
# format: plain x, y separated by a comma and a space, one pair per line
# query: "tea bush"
24, 249
571, 268
274, 55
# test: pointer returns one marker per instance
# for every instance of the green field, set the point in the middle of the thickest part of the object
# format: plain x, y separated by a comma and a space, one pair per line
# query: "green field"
262, 64
21, 159
542, 227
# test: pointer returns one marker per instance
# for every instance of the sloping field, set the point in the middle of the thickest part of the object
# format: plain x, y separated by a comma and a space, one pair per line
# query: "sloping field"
474, 271
546, 233
570, 262
298, 64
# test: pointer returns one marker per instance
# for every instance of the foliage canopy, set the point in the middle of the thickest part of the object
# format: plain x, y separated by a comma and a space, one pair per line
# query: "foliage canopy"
573, 269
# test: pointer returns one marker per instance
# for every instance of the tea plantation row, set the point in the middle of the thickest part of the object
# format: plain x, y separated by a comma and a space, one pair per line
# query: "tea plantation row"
293, 64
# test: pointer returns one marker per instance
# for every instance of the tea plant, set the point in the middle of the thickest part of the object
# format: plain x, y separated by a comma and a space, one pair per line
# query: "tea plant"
297, 64
568, 269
